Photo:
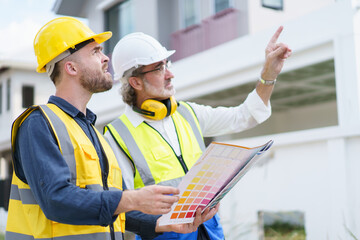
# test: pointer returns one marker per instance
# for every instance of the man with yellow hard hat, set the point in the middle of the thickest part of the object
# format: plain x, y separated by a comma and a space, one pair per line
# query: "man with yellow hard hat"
67, 183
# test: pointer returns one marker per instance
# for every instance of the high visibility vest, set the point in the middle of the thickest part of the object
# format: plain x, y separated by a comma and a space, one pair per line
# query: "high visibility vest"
154, 159
26, 220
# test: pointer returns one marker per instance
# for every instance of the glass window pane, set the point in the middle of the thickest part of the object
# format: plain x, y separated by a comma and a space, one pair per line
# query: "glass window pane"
221, 5
282, 225
118, 19
1, 98
274, 4
27, 96
126, 23
111, 19
189, 12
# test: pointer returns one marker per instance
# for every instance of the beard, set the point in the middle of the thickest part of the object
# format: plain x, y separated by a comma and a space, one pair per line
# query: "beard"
162, 93
95, 81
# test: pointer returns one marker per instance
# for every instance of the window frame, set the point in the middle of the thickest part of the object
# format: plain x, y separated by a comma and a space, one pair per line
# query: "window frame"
8, 94
182, 13
119, 32
213, 7
1, 98
266, 4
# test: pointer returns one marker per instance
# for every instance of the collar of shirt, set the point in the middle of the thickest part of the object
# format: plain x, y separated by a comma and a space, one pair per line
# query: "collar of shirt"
136, 118
165, 127
71, 110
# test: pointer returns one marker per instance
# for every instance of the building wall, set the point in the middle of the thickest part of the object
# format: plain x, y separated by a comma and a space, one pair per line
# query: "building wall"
6, 114
43, 88
307, 177
311, 170
261, 18
145, 16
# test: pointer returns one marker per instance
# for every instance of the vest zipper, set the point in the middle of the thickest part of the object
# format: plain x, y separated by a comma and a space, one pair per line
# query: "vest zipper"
182, 162
112, 232
179, 158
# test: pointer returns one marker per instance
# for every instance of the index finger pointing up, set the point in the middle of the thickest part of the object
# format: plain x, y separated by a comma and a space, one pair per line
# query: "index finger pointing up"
276, 35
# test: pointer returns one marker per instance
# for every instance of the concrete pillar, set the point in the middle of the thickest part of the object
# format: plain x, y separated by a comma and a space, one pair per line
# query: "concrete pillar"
344, 223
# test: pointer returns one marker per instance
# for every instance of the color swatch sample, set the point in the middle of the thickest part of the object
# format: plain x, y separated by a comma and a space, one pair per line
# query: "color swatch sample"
213, 175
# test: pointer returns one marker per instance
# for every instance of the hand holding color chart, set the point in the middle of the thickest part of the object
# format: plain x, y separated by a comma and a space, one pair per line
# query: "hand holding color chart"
217, 171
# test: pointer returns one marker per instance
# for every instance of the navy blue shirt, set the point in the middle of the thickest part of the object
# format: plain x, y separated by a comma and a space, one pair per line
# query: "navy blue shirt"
39, 162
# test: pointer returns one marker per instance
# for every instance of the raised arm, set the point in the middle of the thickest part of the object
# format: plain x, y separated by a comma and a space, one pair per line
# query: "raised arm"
275, 56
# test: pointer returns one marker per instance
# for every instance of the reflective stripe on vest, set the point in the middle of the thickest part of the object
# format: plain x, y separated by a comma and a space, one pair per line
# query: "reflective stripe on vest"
66, 146
23, 194
135, 152
173, 182
92, 236
185, 112
99, 188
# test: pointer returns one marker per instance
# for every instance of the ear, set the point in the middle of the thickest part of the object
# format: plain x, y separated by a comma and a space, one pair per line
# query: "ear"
136, 83
70, 68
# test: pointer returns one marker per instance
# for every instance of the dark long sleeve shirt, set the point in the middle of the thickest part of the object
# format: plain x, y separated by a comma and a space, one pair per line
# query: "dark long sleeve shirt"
39, 163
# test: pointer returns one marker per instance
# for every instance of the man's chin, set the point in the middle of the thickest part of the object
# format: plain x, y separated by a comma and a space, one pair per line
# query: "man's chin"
170, 92
104, 88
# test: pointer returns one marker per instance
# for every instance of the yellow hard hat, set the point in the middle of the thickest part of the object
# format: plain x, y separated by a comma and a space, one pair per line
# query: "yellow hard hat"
60, 34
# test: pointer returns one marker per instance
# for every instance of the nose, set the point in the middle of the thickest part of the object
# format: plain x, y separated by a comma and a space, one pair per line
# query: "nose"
168, 74
105, 57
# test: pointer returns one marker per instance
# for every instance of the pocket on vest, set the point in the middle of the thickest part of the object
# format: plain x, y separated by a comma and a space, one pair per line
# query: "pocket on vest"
88, 166
165, 165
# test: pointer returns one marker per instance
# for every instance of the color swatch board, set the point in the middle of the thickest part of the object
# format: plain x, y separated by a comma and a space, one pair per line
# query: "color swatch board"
215, 173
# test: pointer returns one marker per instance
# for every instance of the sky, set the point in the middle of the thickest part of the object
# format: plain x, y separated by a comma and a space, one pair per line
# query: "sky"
19, 22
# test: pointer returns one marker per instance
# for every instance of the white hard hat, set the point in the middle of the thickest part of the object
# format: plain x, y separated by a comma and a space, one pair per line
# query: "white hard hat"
134, 50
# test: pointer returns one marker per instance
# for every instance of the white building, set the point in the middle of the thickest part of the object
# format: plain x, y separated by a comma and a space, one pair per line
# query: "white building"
312, 167
20, 86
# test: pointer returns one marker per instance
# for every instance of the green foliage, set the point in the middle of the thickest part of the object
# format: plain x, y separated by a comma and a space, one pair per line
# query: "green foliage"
284, 231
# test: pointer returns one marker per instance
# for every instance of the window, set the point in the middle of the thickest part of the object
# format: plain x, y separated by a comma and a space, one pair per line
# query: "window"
27, 96
314, 98
118, 19
190, 12
221, 5
8, 88
1, 98
282, 225
273, 4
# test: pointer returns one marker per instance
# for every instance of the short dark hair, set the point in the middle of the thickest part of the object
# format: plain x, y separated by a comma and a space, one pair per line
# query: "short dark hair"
55, 74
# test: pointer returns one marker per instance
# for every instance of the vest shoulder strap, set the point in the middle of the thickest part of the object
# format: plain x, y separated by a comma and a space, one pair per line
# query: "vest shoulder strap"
118, 129
65, 145
188, 113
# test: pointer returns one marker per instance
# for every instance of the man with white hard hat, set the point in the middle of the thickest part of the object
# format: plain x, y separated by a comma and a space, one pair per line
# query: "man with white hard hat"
157, 139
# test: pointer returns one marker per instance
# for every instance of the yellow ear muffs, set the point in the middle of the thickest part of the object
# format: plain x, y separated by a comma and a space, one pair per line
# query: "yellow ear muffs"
157, 110
173, 105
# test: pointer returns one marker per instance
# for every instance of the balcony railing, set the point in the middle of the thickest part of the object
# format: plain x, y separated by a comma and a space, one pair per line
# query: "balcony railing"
217, 29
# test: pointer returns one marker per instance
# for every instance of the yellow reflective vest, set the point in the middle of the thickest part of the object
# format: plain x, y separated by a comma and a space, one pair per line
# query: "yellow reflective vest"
26, 220
154, 159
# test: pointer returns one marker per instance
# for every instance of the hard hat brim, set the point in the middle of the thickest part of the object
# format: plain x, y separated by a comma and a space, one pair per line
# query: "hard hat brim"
99, 38
166, 55
102, 37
